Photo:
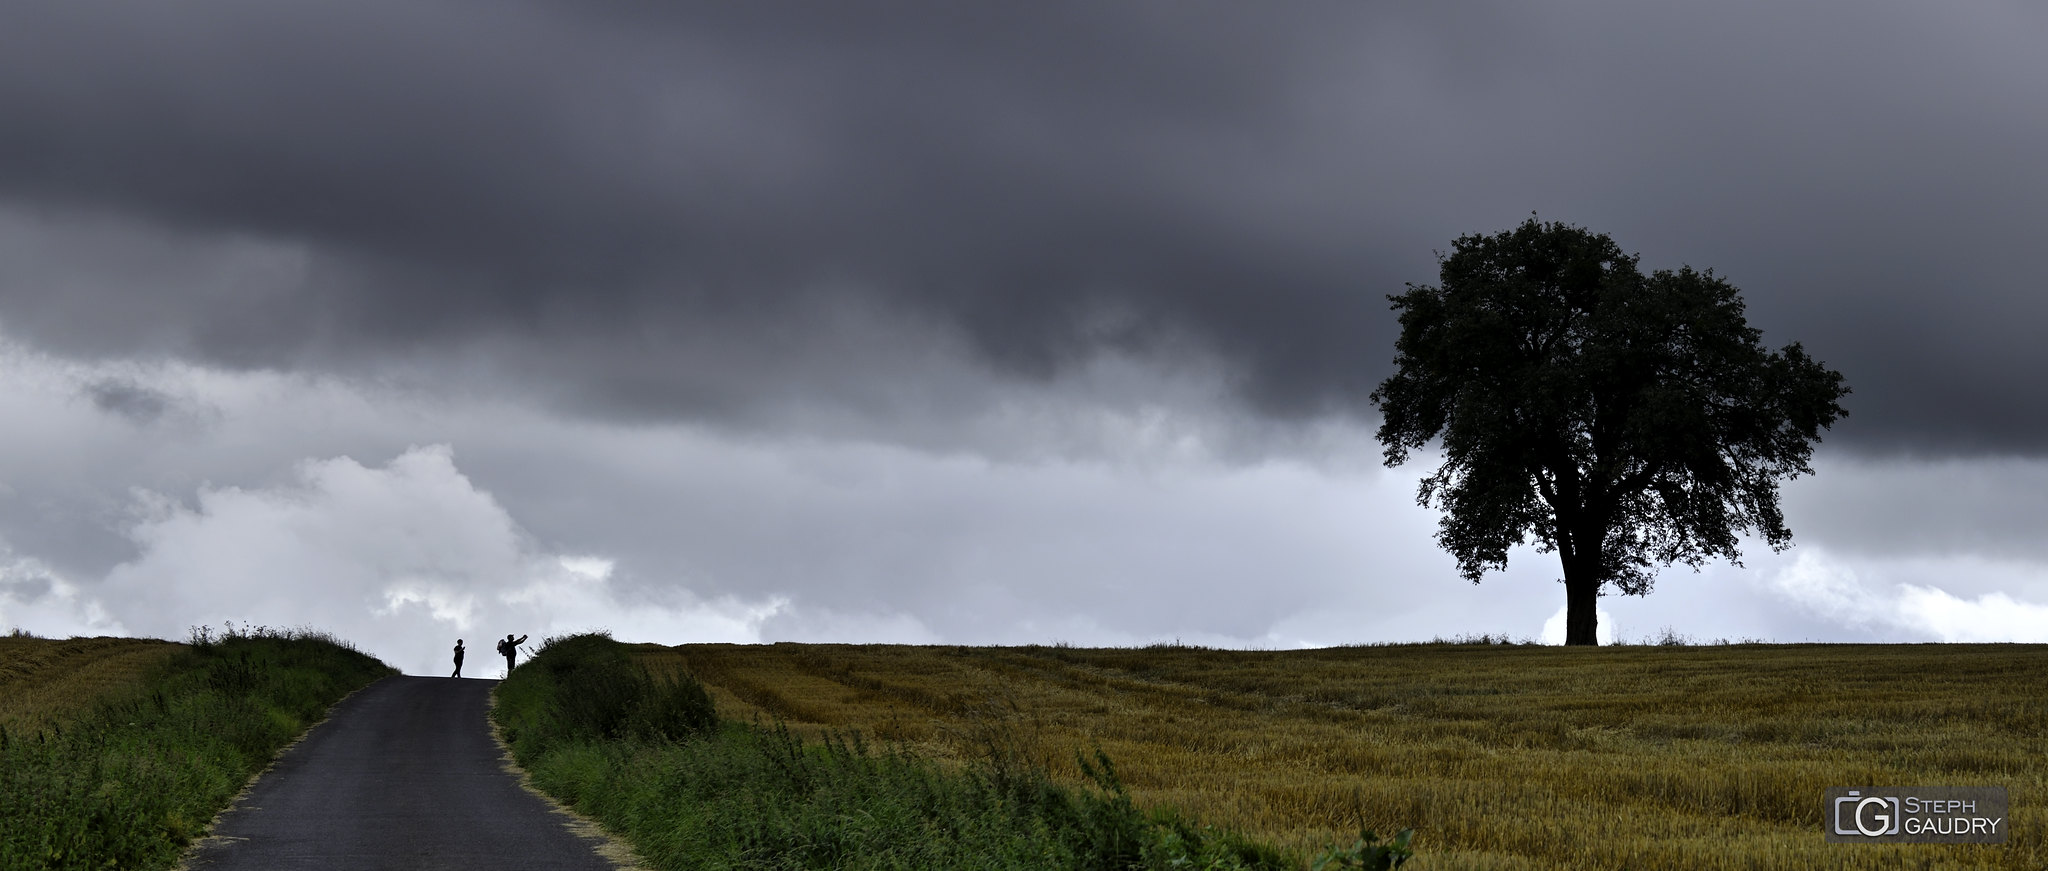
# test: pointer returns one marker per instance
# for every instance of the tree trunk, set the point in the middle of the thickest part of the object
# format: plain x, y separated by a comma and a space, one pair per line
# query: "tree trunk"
1581, 611
1582, 584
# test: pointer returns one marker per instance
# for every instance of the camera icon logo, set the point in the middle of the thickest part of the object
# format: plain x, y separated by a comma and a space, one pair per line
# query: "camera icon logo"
1871, 816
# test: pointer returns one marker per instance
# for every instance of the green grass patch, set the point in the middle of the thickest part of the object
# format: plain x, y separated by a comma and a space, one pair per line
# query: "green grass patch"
647, 760
130, 782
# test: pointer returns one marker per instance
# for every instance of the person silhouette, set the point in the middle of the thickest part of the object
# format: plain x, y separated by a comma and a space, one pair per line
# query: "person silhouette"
458, 658
510, 647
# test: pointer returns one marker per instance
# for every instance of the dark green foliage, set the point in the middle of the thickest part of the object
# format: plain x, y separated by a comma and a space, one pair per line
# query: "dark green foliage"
134, 781
1625, 421
586, 688
753, 797
1368, 853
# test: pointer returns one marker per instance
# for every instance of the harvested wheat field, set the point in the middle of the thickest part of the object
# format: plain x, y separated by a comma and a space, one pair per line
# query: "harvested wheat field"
44, 681
1500, 756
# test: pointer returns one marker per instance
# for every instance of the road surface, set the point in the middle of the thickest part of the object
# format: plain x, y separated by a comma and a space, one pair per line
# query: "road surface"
403, 775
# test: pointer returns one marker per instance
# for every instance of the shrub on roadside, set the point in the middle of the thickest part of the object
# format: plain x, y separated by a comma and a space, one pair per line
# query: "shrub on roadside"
586, 688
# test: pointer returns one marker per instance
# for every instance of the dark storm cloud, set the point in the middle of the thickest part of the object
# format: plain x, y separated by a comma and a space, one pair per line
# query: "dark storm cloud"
128, 399
1047, 181
580, 187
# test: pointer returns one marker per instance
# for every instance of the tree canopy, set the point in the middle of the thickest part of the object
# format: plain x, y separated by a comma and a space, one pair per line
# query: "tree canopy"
1624, 421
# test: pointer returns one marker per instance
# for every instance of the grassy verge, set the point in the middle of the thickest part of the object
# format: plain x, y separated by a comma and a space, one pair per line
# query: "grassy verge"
130, 782
650, 761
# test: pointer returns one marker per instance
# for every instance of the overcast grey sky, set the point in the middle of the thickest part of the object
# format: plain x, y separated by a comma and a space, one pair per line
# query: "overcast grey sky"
992, 324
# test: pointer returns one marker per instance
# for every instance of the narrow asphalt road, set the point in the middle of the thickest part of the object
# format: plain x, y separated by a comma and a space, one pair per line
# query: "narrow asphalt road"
403, 775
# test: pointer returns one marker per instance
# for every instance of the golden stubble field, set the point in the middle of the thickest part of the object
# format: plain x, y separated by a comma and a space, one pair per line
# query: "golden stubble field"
45, 681
1501, 757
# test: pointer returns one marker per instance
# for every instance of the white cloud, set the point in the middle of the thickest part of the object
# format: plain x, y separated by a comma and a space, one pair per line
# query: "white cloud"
34, 597
1989, 617
399, 559
1828, 587
698, 534
1908, 599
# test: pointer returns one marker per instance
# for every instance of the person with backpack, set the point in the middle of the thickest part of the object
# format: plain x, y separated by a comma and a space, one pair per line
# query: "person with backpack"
510, 648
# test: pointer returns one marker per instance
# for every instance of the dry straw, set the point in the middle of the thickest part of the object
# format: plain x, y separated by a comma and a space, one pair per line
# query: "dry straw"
1500, 756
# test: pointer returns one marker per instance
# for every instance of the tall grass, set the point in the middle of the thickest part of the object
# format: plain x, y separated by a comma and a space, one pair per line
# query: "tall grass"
730, 795
132, 781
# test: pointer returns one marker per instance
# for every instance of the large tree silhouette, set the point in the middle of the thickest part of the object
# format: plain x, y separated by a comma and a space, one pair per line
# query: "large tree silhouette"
1624, 421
